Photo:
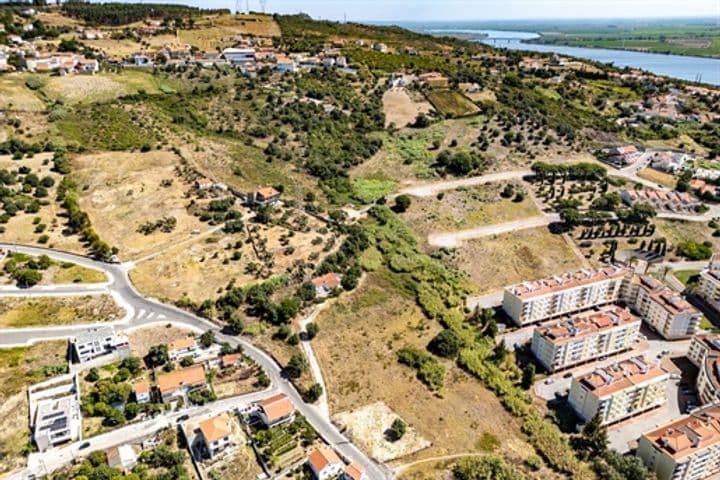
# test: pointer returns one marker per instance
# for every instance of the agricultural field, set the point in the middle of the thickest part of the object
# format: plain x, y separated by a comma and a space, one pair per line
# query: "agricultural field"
16, 96
660, 178
367, 327
103, 86
122, 191
450, 103
19, 312
401, 109
516, 257
20, 367
466, 208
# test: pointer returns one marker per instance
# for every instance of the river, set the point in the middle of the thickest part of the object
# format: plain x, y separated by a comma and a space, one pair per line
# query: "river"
675, 66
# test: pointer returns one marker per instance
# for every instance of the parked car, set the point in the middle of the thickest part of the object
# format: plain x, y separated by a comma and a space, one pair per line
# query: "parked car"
84, 445
568, 375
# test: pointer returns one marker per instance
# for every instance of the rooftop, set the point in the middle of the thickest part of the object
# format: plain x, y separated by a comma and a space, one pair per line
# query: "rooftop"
621, 375
666, 297
322, 457
141, 387
329, 280
94, 334
170, 382
216, 428
354, 471
277, 407
587, 323
690, 434
181, 344
267, 192
566, 281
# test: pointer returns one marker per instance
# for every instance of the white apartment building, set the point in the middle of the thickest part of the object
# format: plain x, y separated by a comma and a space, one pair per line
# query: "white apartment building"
532, 302
685, 449
705, 354
98, 341
619, 391
661, 308
709, 287
585, 337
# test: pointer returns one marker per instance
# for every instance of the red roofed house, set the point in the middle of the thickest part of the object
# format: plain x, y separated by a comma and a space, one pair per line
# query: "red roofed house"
183, 347
216, 434
354, 472
230, 360
276, 410
142, 392
264, 196
325, 463
325, 285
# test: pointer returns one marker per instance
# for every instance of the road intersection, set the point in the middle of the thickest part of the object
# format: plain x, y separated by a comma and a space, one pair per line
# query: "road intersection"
142, 311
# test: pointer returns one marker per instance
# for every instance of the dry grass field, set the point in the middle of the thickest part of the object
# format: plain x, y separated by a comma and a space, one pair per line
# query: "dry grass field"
400, 109
501, 260
356, 348
677, 231
465, 208
173, 274
143, 338
101, 87
17, 312
121, 191
661, 178
17, 96
20, 367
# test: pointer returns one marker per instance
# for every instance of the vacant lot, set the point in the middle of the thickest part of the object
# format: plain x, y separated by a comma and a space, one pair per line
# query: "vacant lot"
175, 273
17, 96
121, 191
452, 103
400, 109
466, 208
661, 178
677, 231
55, 273
367, 327
143, 338
20, 367
101, 87
16, 312
495, 262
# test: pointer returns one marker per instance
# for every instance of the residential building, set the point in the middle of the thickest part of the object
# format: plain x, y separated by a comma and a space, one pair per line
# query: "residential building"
354, 472
142, 392
380, 47
661, 308
619, 391
87, 65
3, 59
623, 155
704, 352
585, 337
702, 189
98, 341
325, 463
434, 79
142, 60
706, 174
216, 433
92, 34
540, 300
666, 201
183, 348
276, 410
57, 420
685, 449
670, 162
178, 383
709, 285
239, 56
231, 360
326, 284
263, 196
122, 458
284, 64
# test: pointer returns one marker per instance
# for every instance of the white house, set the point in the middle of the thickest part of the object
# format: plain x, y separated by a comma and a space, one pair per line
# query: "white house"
122, 457
325, 463
182, 348
96, 342
216, 433
276, 410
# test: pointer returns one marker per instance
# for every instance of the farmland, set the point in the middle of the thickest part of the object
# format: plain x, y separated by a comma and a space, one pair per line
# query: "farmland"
450, 103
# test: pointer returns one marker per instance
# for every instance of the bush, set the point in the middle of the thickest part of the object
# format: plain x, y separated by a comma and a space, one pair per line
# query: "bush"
397, 430
34, 83
446, 344
402, 203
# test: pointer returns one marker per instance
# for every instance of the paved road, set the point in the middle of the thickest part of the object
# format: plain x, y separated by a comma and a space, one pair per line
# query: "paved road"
430, 189
142, 311
57, 458
453, 239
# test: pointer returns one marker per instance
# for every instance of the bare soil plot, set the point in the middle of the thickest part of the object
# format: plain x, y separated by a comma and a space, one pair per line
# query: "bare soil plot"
451, 103
466, 208
495, 262
121, 191
23, 227
143, 338
367, 427
20, 367
661, 178
356, 348
18, 312
400, 109
17, 96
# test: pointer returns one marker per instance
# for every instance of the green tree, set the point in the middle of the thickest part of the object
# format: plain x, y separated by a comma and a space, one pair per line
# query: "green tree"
402, 203
157, 356
311, 330
528, 375
27, 277
594, 437
207, 339
314, 393
489, 467
446, 344
297, 365
397, 430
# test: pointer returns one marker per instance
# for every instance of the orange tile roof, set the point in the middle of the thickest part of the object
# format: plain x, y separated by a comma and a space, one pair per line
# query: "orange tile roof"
621, 375
141, 387
588, 323
267, 192
181, 344
276, 407
354, 471
170, 382
230, 359
216, 428
329, 280
565, 281
322, 457
690, 434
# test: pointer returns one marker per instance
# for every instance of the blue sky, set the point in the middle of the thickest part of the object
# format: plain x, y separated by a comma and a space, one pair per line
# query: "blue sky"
487, 9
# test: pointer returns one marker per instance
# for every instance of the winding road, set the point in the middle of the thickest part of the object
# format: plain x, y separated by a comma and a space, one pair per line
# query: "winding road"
142, 311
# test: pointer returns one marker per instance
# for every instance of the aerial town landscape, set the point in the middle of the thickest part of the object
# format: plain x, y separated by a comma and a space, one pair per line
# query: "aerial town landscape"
237, 244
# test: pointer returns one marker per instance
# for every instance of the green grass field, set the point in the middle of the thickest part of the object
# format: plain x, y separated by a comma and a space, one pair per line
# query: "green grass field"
451, 103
